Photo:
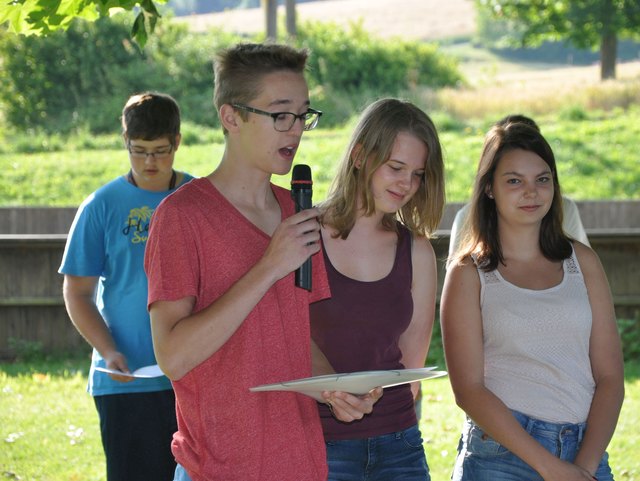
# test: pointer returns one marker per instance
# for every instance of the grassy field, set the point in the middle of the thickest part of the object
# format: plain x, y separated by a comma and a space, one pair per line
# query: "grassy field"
49, 428
596, 151
592, 126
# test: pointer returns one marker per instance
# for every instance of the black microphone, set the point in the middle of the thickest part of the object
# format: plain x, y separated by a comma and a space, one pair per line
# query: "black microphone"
301, 193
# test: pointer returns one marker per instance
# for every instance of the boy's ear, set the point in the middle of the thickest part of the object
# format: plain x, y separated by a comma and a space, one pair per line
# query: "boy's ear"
229, 117
176, 142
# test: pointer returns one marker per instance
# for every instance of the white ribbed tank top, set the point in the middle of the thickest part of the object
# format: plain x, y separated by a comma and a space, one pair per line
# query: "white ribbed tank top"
536, 345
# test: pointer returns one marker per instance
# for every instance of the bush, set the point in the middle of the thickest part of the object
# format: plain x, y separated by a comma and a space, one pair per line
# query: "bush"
353, 60
185, 60
573, 113
68, 79
630, 333
79, 80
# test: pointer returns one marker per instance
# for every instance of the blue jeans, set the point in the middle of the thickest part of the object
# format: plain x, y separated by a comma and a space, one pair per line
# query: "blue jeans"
480, 458
390, 457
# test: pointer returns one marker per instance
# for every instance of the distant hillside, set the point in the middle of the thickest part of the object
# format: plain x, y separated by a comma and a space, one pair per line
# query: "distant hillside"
432, 20
197, 7
413, 19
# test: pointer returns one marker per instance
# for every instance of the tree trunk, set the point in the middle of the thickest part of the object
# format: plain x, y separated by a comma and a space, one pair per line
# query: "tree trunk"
608, 55
271, 18
291, 18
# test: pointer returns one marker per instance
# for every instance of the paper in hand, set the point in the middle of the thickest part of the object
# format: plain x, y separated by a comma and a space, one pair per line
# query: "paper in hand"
142, 373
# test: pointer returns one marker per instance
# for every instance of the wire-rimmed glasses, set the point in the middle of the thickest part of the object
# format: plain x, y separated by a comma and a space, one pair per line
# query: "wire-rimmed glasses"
160, 153
284, 121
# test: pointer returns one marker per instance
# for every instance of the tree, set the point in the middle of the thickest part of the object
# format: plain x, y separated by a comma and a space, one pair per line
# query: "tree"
292, 29
584, 23
271, 18
41, 17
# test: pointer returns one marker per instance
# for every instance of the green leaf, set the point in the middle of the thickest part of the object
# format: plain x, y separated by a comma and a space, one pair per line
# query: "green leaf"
150, 7
14, 15
139, 30
41, 17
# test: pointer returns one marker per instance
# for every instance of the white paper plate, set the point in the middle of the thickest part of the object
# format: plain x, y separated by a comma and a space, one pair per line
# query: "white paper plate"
354, 382
142, 373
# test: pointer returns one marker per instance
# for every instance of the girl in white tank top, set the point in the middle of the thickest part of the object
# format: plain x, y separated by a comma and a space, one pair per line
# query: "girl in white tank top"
528, 326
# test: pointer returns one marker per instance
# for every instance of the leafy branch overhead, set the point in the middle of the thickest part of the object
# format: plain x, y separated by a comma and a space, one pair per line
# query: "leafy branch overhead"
585, 24
41, 17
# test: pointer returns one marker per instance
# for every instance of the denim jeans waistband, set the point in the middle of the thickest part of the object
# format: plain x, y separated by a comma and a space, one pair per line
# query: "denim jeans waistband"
532, 425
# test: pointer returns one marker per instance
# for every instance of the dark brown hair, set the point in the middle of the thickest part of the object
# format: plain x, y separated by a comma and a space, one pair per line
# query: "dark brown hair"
149, 116
482, 237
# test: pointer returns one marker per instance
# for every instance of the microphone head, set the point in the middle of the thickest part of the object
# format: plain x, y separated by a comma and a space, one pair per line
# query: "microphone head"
301, 177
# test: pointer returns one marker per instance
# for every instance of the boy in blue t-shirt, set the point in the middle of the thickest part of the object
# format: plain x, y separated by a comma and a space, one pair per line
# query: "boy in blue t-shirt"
105, 293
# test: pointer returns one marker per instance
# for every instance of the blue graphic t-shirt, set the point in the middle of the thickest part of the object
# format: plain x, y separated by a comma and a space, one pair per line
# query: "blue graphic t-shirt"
107, 240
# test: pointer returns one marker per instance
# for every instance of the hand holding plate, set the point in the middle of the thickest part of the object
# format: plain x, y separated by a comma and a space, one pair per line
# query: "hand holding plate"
348, 407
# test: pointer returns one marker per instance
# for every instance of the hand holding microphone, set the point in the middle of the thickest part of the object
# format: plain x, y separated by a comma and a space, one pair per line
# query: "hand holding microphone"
301, 193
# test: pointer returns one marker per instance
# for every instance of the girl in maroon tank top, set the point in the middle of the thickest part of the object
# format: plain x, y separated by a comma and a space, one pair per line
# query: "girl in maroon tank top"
385, 201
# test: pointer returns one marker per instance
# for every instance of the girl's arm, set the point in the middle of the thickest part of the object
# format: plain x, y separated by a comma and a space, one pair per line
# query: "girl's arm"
414, 342
461, 320
607, 366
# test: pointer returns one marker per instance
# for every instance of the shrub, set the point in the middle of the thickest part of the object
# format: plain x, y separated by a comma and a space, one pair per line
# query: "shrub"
69, 78
630, 333
574, 113
353, 60
81, 78
78, 80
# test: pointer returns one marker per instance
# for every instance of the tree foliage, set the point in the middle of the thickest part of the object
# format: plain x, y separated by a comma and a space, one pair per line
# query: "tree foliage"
585, 24
41, 17
78, 79
352, 59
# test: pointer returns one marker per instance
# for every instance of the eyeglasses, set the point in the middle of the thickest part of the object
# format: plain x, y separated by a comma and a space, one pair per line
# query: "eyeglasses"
159, 154
284, 121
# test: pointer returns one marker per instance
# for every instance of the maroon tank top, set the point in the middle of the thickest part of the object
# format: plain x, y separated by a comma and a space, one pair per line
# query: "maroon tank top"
358, 329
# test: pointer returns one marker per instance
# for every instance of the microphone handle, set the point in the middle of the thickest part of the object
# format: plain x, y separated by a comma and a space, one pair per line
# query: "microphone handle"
302, 200
303, 275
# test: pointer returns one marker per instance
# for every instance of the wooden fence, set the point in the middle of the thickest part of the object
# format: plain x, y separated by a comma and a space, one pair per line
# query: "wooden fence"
32, 241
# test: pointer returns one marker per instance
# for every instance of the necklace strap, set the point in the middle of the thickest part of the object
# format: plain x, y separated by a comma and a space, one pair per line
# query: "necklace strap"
172, 182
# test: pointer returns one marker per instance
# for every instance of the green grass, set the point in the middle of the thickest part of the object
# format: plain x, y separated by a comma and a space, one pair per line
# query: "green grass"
596, 151
442, 420
49, 428
48, 424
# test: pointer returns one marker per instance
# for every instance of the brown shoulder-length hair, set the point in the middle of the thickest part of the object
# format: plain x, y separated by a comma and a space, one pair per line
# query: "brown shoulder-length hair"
480, 233
370, 147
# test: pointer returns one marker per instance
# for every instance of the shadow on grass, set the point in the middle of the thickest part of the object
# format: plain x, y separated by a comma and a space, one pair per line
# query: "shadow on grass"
68, 366
62, 365
562, 54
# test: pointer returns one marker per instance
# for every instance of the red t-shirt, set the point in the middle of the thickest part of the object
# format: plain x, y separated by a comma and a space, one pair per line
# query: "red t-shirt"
199, 245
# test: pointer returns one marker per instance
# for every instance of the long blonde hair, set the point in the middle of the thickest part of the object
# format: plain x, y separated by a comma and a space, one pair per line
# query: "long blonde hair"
370, 147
